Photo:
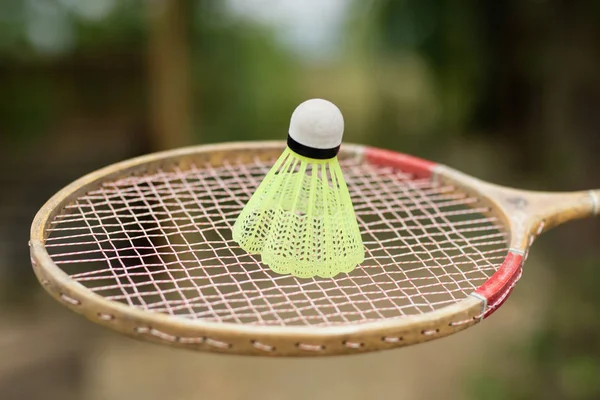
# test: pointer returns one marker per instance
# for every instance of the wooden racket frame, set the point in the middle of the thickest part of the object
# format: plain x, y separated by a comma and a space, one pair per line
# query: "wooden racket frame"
526, 215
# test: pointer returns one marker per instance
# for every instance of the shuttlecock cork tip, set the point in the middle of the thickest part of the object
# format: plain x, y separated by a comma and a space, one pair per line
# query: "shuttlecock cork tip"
316, 128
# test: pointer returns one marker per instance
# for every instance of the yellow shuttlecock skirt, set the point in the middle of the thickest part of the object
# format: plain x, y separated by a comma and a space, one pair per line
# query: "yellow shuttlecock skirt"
301, 219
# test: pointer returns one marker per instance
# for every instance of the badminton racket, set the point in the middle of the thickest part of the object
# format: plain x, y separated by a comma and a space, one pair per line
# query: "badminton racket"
144, 247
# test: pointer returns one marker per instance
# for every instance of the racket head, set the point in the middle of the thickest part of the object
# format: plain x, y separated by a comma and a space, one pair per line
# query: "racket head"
438, 255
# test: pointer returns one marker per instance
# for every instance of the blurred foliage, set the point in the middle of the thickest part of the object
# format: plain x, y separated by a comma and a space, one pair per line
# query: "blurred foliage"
41, 41
244, 80
442, 33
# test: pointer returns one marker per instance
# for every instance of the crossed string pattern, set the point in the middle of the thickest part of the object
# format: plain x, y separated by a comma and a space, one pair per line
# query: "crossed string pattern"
161, 242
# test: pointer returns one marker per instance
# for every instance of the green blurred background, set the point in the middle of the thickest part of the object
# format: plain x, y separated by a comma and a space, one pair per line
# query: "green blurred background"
508, 91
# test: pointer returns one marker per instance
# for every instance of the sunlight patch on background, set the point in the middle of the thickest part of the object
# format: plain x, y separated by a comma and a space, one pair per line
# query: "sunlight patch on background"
48, 27
312, 28
92, 10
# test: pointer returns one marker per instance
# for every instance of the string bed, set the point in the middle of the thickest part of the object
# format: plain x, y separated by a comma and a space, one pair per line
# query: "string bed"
161, 241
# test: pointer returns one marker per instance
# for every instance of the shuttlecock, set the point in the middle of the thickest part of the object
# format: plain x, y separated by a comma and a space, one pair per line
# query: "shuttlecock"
301, 219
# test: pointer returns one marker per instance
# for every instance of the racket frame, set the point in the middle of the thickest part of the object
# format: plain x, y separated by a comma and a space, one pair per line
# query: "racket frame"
525, 215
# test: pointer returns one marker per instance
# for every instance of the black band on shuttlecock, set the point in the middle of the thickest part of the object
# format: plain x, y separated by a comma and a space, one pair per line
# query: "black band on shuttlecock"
311, 152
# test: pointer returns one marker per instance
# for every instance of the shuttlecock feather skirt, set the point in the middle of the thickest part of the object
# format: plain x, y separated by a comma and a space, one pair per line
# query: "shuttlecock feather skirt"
301, 219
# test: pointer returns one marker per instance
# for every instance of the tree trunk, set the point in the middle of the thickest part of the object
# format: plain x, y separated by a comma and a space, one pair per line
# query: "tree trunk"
169, 74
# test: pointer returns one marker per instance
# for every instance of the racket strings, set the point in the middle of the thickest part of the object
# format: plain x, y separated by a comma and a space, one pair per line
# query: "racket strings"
162, 242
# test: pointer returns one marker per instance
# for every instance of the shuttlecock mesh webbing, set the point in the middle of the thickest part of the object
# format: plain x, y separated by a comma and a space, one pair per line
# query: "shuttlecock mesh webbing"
301, 219
161, 241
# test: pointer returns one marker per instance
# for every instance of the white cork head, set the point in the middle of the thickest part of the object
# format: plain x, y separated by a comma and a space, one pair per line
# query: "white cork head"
317, 123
